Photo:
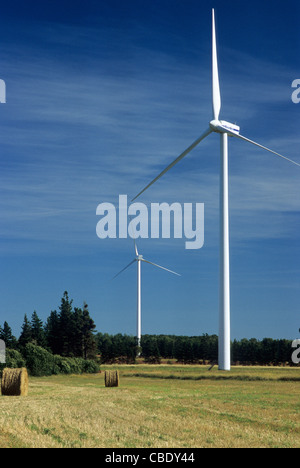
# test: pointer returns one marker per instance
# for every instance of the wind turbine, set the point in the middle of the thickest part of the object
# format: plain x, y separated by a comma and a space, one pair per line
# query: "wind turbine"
139, 259
225, 129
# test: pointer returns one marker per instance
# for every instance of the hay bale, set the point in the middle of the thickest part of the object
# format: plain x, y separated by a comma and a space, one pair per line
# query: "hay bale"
111, 378
14, 382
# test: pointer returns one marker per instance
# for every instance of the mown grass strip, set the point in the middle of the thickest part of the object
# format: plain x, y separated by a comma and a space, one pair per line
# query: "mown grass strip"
244, 378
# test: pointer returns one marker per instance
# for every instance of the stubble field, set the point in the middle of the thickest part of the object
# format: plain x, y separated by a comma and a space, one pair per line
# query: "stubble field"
157, 407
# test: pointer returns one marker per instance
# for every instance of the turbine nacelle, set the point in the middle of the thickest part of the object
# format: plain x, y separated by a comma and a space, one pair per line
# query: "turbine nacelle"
221, 126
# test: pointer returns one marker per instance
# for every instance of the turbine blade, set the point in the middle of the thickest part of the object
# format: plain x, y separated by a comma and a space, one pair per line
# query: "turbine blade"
158, 266
216, 94
136, 249
188, 150
124, 269
135, 246
263, 147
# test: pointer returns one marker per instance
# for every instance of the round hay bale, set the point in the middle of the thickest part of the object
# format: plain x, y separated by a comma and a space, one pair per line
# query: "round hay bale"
111, 378
14, 382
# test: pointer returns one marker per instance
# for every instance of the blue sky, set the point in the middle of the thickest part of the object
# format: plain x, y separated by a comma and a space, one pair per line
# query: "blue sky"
101, 96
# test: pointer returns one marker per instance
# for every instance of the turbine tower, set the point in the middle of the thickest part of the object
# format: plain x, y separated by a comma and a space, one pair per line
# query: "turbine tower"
224, 129
139, 259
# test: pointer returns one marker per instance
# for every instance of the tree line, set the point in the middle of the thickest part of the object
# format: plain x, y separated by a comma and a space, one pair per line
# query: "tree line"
192, 350
70, 332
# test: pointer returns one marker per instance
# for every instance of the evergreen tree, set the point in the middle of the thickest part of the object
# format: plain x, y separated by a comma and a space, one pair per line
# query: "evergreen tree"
7, 336
67, 326
179, 348
37, 330
52, 333
70, 332
150, 349
107, 354
78, 338
88, 329
26, 333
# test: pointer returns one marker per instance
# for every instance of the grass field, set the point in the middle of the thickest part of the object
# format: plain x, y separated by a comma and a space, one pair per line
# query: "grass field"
157, 407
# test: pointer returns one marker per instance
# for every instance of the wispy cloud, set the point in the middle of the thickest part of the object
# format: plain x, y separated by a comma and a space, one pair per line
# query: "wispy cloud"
83, 131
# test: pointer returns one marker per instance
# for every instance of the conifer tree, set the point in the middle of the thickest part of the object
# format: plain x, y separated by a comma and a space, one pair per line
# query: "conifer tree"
26, 333
7, 336
52, 333
37, 330
88, 330
67, 326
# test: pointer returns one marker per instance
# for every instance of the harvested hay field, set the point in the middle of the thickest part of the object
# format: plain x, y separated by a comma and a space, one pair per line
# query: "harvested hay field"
157, 407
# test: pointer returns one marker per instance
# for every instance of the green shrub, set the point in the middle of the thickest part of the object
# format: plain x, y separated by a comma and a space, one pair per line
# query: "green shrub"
75, 365
13, 359
67, 365
61, 365
90, 367
39, 361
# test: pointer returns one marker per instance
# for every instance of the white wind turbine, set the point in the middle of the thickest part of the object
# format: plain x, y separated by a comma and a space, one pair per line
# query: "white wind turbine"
139, 259
225, 129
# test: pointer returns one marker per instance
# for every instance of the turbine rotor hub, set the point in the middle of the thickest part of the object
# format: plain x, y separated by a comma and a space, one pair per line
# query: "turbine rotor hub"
221, 126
